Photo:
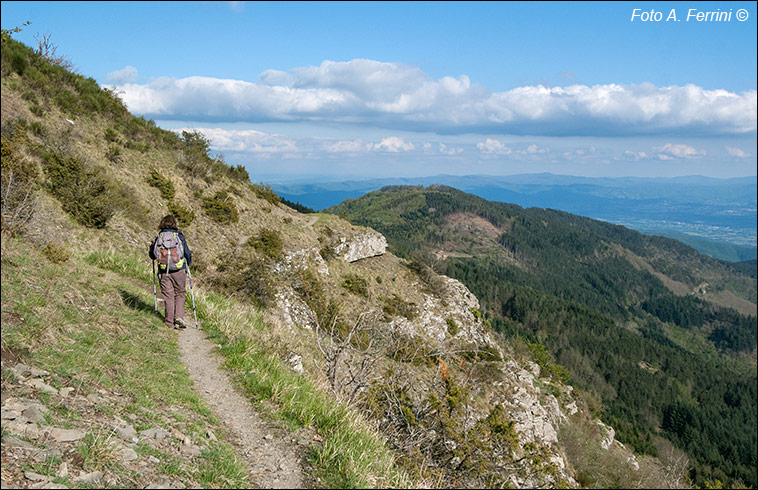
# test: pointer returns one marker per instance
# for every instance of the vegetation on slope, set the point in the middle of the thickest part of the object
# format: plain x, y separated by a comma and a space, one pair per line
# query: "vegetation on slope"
60, 134
599, 297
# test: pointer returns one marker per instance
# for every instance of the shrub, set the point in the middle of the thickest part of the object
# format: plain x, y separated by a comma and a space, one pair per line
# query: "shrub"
452, 327
110, 135
268, 242
81, 190
264, 191
57, 254
248, 278
183, 215
166, 188
397, 306
356, 285
220, 208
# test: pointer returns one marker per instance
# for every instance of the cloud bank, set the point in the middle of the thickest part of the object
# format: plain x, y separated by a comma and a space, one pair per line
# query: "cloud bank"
398, 96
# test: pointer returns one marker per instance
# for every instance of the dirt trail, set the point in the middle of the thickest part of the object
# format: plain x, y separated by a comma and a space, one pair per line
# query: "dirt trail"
272, 462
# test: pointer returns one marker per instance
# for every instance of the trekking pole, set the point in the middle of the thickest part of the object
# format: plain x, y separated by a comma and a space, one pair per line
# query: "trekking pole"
155, 295
192, 293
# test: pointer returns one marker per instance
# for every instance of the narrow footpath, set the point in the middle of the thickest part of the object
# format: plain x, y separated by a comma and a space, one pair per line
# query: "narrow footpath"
272, 462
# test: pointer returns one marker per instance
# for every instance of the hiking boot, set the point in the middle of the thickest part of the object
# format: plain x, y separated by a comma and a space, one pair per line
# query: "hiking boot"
179, 323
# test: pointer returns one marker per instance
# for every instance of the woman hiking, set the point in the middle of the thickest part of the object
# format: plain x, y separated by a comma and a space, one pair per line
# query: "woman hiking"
173, 255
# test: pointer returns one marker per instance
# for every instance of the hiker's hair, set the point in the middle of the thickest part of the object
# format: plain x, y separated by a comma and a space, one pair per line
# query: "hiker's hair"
168, 223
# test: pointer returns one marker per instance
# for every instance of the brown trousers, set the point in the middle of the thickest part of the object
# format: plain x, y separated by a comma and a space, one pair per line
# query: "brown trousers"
173, 289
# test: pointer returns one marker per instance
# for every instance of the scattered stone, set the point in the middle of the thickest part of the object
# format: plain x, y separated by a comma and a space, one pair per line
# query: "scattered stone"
30, 475
154, 433
295, 362
192, 451
128, 454
211, 435
46, 454
93, 477
126, 432
62, 470
33, 414
64, 392
9, 415
66, 435
42, 386
10, 441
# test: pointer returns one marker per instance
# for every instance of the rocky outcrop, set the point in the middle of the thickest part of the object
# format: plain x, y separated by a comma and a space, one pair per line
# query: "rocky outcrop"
363, 245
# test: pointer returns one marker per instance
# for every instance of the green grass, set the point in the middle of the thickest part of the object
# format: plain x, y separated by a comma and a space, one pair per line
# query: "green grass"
90, 321
350, 455
95, 329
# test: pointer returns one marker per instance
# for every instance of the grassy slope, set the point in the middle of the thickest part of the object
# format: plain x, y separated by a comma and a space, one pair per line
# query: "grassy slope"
90, 322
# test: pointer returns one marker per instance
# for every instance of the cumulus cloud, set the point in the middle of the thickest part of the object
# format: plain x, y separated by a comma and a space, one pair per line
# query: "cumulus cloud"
125, 75
670, 151
346, 146
249, 140
400, 96
634, 155
533, 150
736, 152
393, 144
493, 147
450, 151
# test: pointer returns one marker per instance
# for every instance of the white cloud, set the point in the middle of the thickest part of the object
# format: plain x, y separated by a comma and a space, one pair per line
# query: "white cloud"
671, 151
249, 140
393, 144
634, 155
449, 151
533, 150
400, 96
493, 147
736, 152
125, 75
345, 146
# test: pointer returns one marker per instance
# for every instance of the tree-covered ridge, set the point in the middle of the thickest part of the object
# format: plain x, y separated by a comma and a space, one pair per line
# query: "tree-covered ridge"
657, 362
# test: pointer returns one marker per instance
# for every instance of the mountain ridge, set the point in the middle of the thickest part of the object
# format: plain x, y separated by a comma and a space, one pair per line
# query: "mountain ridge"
697, 206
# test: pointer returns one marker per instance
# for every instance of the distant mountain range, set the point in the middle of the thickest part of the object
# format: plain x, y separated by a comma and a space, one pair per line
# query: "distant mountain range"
714, 216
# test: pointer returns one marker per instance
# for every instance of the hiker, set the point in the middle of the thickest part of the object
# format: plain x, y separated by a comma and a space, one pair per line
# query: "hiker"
173, 255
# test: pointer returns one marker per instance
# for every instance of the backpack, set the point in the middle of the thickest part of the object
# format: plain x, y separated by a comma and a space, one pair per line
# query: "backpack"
169, 251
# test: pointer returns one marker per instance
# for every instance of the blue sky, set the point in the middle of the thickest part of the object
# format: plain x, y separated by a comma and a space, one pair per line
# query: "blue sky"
325, 91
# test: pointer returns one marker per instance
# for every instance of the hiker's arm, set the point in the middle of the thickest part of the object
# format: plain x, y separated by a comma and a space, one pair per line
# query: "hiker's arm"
187, 252
150, 251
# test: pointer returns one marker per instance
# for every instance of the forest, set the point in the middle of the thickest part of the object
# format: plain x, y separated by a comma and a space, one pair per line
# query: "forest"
657, 363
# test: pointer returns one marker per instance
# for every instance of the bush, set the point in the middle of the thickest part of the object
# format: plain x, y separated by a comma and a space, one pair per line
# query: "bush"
452, 327
268, 242
356, 285
397, 306
182, 214
265, 192
81, 190
57, 254
155, 179
220, 208
248, 278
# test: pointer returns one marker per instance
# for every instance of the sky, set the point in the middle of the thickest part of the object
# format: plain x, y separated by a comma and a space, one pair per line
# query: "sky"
322, 91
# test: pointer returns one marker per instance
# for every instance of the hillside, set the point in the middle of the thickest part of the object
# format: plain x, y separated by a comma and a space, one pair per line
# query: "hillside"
717, 217
376, 370
661, 337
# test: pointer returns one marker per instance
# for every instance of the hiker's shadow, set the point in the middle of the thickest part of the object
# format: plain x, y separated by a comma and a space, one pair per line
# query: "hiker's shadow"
136, 303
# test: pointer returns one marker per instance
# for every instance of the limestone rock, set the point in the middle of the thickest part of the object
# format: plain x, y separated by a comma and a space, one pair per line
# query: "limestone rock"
370, 243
